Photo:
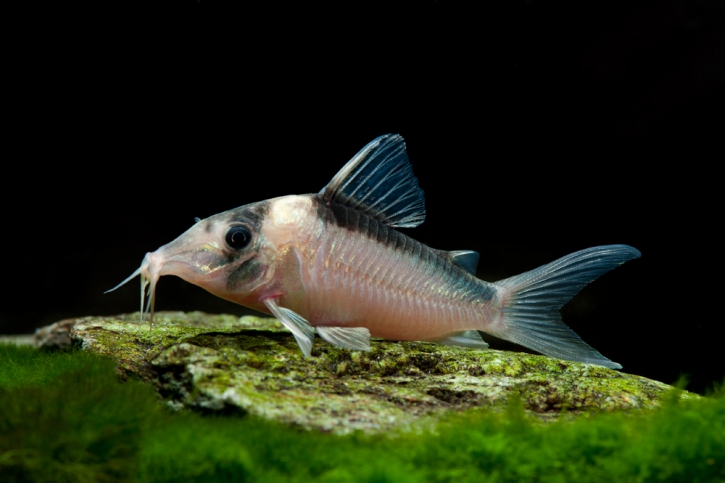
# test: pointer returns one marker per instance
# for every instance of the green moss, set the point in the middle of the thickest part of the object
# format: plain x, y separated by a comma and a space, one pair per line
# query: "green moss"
82, 424
24, 366
58, 423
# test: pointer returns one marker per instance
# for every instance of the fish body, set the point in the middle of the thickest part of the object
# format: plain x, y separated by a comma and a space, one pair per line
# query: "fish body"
351, 270
333, 263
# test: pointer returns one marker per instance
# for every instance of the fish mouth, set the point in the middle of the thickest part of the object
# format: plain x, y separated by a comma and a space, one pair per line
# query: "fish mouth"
150, 271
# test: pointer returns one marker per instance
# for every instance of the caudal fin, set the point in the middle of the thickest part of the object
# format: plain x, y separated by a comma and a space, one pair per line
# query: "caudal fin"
530, 303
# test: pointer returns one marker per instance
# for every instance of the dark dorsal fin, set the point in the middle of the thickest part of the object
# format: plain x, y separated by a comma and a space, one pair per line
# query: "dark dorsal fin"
379, 182
466, 259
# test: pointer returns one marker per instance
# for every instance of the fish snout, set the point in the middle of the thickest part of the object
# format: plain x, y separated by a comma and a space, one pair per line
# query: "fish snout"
150, 271
151, 265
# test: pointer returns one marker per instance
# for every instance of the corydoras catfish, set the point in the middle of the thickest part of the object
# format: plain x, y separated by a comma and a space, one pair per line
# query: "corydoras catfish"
334, 263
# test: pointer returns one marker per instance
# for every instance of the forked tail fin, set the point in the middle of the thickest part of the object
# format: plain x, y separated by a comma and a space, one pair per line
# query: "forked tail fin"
530, 303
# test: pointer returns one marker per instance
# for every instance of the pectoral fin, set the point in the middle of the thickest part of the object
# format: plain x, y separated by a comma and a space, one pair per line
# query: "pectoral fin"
464, 338
300, 328
357, 338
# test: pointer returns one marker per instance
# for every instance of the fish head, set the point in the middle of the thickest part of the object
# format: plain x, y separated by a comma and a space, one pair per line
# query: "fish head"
225, 254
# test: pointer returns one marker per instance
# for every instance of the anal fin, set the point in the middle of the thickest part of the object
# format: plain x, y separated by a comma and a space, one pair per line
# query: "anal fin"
302, 330
356, 338
463, 338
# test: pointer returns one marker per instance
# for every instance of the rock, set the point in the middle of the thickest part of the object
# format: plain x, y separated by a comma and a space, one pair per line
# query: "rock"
252, 365
19, 339
55, 336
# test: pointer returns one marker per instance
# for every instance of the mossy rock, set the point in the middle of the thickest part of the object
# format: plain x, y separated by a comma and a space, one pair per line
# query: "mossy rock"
229, 365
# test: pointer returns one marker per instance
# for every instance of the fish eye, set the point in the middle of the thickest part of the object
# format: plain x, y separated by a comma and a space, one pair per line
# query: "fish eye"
238, 237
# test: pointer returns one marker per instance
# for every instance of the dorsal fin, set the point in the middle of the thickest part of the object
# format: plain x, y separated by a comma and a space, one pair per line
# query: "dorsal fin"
466, 259
379, 182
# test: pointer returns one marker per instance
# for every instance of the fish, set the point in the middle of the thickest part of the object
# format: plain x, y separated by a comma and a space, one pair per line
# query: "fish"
334, 263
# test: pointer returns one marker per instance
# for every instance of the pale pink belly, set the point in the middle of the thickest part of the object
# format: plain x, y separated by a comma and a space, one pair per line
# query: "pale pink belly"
389, 296
363, 274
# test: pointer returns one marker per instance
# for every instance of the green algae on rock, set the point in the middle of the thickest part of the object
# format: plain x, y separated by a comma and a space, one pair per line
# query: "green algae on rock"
225, 364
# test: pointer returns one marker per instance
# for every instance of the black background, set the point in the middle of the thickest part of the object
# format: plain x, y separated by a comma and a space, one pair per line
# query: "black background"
535, 129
